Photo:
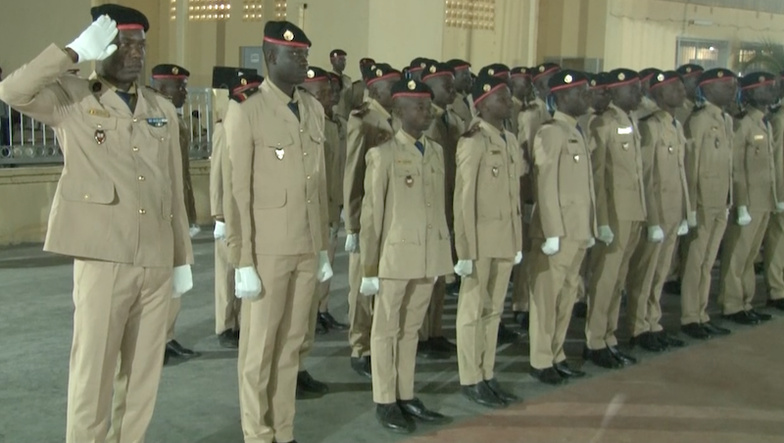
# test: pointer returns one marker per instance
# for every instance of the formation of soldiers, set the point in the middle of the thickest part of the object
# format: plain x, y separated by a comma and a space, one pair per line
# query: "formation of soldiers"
576, 187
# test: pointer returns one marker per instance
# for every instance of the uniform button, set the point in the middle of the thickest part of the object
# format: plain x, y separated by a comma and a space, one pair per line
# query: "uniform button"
428, 205
301, 131
305, 154
162, 138
142, 211
429, 226
171, 216
308, 201
135, 149
308, 177
141, 178
135, 120
86, 196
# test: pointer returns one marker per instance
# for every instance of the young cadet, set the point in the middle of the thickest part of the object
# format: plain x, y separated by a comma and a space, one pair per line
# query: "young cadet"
488, 236
404, 247
119, 211
620, 213
417, 67
690, 73
563, 226
773, 245
463, 81
709, 177
755, 199
276, 145
667, 206
369, 126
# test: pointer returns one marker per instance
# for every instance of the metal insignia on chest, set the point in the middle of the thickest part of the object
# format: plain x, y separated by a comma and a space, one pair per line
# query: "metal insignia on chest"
280, 153
157, 122
495, 171
409, 181
100, 136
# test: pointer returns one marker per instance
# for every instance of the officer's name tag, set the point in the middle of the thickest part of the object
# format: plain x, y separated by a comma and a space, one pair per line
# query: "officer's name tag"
99, 112
625, 131
157, 122
759, 137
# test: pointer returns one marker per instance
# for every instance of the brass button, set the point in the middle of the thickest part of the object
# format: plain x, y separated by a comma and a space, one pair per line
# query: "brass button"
670, 149
135, 149
162, 138
86, 196
308, 177
305, 154
171, 216
301, 131
308, 200
135, 119
141, 178
142, 211
577, 158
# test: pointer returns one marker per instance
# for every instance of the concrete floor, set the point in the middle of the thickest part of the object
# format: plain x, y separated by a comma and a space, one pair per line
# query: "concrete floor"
197, 400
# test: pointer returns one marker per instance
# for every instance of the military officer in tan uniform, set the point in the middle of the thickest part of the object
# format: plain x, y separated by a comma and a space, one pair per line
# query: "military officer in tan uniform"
337, 58
563, 225
691, 75
404, 247
756, 198
488, 236
620, 215
368, 126
773, 246
463, 81
667, 206
709, 177
648, 104
276, 147
118, 211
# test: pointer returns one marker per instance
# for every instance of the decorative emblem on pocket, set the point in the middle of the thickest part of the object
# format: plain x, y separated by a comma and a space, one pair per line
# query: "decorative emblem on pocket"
100, 136
409, 181
280, 153
495, 171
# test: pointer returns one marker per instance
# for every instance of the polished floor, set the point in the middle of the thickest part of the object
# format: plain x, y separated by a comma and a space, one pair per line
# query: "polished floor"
723, 390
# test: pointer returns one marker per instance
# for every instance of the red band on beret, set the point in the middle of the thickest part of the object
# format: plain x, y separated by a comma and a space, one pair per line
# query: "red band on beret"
717, 79
623, 83
316, 79
337, 56
285, 42
178, 76
501, 74
129, 26
411, 94
547, 71
244, 88
436, 74
415, 69
567, 86
757, 85
383, 77
664, 82
647, 77
486, 94
466, 66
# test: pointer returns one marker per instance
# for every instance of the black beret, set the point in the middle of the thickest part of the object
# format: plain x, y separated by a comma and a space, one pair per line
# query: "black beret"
622, 76
495, 70
223, 76
437, 69
484, 85
366, 61
520, 71
420, 63
170, 71
662, 78
337, 53
316, 74
566, 79
285, 33
379, 71
411, 88
756, 79
241, 86
456, 64
125, 17
689, 69
648, 73
715, 74
546, 68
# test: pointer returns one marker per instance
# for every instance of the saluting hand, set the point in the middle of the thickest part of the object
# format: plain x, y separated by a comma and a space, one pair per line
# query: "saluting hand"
95, 42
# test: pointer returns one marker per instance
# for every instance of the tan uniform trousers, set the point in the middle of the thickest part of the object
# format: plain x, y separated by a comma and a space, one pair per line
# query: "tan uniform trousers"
400, 308
432, 326
322, 291
521, 276
272, 330
227, 306
648, 271
173, 312
703, 242
479, 309
585, 275
740, 250
321, 296
608, 277
773, 254
556, 279
119, 317
360, 310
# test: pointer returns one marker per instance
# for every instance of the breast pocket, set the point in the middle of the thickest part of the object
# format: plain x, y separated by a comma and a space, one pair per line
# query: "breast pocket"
406, 177
103, 129
87, 190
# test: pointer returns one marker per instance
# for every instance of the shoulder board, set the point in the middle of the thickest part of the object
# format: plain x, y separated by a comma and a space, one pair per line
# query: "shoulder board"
471, 131
362, 110
648, 117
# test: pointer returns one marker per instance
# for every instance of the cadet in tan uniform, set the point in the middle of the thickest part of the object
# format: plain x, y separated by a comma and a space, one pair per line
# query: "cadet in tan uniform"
755, 199
368, 126
620, 214
773, 246
337, 58
709, 177
648, 104
563, 225
667, 206
691, 74
463, 86
118, 211
276, 147
404, 248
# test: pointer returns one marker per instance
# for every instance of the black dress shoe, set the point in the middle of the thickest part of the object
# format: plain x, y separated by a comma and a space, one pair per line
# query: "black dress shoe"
441, 344
761, 316
673, 287
228, 339
321, 326
696, 330
506, 335
712, 329
668, 341
743, 318
522, 319
361, 365
568, 372
549, 376
580, 309
309, 387
483, 394
453, 289
391, 417
177, 350
604, 359
416, 409
505, 396
165, 358
647, 341
625, 359
425, 349
331, 323
777, 304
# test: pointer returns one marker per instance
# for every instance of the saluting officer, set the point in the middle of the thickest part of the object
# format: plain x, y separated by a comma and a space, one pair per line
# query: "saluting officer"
119, 211
773, 246
276, 147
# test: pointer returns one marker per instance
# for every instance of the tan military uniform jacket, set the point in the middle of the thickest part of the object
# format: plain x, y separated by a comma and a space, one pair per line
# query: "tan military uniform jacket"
709, 158
279, 179
404, 233
369, 126
216, 170
776, 118
683, 113
754, 170
529, 120
664, 173
564, 182
335, 161
646, 108
120, 196
488, 217
617, 167
446, 130
343, 108
185, 148
462, 108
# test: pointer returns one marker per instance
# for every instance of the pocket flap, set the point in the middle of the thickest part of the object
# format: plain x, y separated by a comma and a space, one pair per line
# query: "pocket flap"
268, 199
97, 191
98, 122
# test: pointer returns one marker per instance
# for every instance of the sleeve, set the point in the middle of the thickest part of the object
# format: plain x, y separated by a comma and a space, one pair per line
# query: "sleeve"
183, 250
469, 157
230, 210
739, 173
373, 205
650, 171
778, 154
323, 190
598, 147
694, 136
548, 143
687, 206
216, 166
239, 140
354, 174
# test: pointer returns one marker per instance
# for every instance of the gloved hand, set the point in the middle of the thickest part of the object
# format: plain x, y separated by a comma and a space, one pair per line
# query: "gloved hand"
369, 286
464, 268
606, 235
247, 283
655, 234
591, 243
352, 243
193, 230
182, 280
692, 219
324, 268
683, 228
551, 246
95, 42
779, 207
219, 232
518, 257
744, 218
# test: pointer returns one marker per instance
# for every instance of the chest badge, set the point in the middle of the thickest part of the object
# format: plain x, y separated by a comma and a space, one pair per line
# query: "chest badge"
157, 122
409, 181
100, 136
279, 153
495, 171
625, 145
577, 158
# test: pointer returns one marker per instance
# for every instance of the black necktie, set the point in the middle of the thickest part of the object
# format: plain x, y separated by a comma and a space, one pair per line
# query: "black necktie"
294, 108
420, 146
445, 118
129, 99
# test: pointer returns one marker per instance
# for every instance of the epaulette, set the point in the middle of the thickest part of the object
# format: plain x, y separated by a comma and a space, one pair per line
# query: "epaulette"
471, 131
362, 110
151, 89
644, 119
244, 95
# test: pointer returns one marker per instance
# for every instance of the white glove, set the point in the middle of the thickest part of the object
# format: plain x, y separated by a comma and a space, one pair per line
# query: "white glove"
95, 42
369, 286
551, 246
518, 257
591, 243
683, 228
324, 268
247, 283
655, 234
606, 235
220, 230
692, 219
182, 280
779, 207
743, 216
352, 243
193, 230
464, 268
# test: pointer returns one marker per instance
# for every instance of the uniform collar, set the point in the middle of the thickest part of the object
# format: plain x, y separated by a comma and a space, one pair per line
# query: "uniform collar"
406, 138
132, 90
491, 130
376, 106
279, 94
517, 101
566, 118
439, 111
755, 114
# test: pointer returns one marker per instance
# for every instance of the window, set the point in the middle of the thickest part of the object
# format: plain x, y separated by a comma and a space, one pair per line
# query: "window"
706, 53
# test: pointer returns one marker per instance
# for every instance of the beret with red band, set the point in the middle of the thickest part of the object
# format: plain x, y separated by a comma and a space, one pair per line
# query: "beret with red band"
621, 77
125, 17
715, 75
486, 85
286, 34
690, 69
495, 70
337, 53
420, 63
546, 68
437, 70
411, 88
756, 79
648, 73
520, 71
379, 71
170, 71
242, 87
316, 74
457, 64
664, 78
567, 79
223, 76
